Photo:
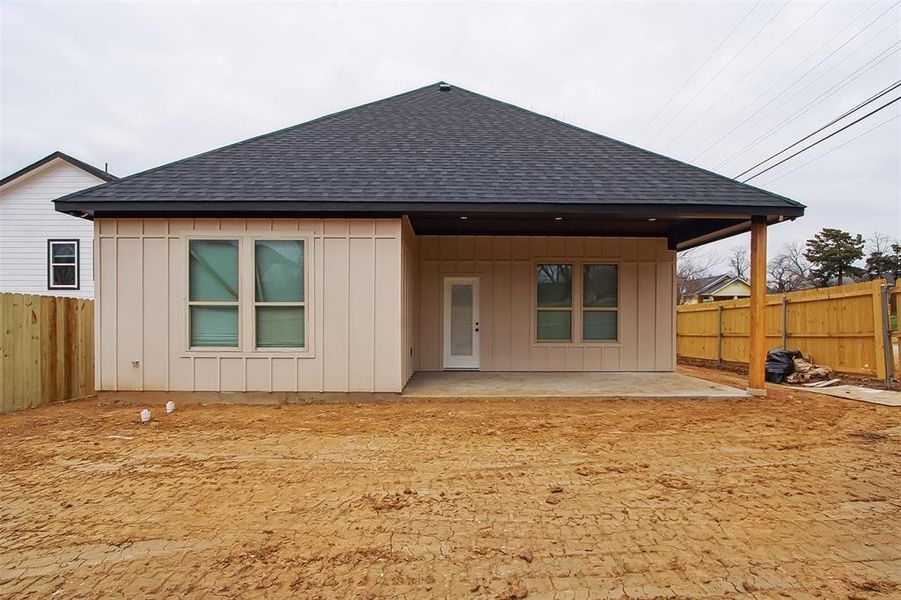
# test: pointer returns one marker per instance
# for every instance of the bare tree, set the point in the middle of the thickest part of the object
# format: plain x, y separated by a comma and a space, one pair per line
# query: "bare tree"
692, 265
880, 243
738, 262
789, 270
883, 256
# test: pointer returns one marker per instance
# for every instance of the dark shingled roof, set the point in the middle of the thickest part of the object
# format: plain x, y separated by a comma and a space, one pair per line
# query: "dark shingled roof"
450, 147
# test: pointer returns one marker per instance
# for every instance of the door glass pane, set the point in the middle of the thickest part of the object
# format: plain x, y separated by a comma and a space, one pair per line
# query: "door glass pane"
64, 275
555, 285
554, 325
461, 320
279, 271
214, 270
280, 327
600, 286
599, 325
63, 253
214, 326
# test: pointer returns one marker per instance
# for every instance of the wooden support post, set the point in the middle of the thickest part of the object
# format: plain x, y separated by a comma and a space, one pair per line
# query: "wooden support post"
757, 340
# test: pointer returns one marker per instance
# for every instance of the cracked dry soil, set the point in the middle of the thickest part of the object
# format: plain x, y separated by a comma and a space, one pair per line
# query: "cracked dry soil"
795, 495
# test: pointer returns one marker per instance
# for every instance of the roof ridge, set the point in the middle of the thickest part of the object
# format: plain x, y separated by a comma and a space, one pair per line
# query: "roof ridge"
628, 145
88, 168
250, 139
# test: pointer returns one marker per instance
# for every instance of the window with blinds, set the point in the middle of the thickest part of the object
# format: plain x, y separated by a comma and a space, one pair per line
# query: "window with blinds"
213, 293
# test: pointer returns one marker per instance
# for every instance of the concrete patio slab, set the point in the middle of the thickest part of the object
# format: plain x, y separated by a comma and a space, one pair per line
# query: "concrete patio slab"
480, 384
861, 394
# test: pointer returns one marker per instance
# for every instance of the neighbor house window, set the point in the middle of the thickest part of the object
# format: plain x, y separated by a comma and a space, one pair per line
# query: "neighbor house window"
555, 300
600, 300
279, 300
62, 265
213, 293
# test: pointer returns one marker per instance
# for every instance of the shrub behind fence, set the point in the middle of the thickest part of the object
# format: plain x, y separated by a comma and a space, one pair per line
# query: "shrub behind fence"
47, 350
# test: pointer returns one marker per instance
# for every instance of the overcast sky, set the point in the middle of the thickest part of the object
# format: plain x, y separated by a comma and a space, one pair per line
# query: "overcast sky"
143, 83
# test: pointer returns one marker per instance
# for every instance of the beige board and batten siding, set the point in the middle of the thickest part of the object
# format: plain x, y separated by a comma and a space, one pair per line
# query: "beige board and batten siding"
354, 299
506, 270
409, 299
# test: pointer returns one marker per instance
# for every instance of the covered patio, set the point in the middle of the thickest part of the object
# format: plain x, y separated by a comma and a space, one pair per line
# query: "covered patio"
533, 385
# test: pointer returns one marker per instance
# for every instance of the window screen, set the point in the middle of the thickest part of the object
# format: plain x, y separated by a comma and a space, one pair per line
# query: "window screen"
213, 293
279, 295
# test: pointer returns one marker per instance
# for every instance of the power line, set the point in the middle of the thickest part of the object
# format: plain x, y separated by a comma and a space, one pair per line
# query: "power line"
842, 61
845, 143
821, 140
857, 74
715, 75
869, 100
799, 79
793, 96
747, 74
698, 70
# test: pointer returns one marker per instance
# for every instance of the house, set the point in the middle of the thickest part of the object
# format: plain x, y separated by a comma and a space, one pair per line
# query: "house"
434, 230
42, 251
717, 287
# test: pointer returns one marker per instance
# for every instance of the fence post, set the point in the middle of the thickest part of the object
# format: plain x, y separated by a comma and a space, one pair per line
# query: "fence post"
784, 322
878, 328
885, 295
719, 335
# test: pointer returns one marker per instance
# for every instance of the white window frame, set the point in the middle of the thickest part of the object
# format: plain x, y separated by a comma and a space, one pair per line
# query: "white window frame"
305, 240
50, 264
246, 310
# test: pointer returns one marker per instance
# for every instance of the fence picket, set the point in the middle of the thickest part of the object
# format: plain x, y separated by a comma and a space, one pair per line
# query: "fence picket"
47, 350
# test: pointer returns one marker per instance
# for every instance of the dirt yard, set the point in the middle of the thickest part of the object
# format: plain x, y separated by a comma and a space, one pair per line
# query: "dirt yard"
796, 495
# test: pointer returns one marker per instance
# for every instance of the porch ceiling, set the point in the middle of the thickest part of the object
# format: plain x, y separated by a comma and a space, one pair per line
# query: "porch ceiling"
683, 228
482, 384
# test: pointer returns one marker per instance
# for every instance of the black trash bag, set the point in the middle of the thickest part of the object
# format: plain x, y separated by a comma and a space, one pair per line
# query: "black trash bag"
780, 364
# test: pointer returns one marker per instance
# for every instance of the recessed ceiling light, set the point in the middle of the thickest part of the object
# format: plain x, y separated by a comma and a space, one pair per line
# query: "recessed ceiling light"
652, 219
558, 218
463, 218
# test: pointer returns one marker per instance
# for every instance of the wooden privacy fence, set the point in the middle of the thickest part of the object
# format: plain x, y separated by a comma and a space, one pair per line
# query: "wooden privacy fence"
47, 349
843, 327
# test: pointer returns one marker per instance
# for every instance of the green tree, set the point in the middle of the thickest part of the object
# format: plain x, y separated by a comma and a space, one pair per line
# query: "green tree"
885, 263
833, 252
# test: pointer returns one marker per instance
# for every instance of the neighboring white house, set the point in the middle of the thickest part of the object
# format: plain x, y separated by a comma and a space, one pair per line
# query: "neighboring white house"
43, 251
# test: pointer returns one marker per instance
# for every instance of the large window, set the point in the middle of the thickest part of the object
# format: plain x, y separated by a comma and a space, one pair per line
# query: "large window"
600, 299
279, 305
555, 301
213, 293
62, 265
588, 306
246, 285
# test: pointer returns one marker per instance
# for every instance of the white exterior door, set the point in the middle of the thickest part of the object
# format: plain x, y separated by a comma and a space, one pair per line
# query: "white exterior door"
461, 323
